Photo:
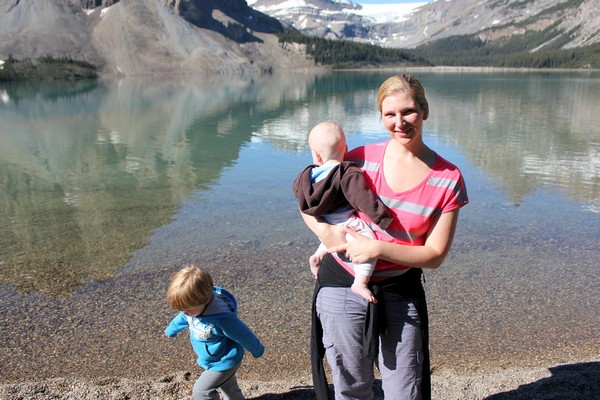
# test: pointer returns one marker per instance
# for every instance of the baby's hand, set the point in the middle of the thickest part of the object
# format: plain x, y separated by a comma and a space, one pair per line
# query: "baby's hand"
315, 263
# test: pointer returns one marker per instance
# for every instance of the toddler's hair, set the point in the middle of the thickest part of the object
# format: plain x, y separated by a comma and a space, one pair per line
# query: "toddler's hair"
190, 287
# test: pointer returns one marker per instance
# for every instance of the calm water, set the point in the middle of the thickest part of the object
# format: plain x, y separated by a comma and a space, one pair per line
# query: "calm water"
92, 173
101, 178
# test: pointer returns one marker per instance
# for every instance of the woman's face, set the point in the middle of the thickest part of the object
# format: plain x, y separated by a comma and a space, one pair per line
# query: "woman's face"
402, 117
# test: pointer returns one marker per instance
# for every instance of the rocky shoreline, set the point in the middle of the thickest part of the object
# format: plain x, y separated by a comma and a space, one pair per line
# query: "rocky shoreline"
106, 341
46, 68
573, 381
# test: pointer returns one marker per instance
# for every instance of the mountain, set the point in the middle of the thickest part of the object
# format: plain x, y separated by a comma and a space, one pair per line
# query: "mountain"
561, 24
142, 37
324, 18
133, 37
574, 23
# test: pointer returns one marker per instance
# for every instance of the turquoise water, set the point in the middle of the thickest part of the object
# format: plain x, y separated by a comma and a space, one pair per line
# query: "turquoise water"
100, 180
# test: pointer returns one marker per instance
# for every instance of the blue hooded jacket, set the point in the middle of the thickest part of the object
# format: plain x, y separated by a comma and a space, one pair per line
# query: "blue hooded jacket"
218, 336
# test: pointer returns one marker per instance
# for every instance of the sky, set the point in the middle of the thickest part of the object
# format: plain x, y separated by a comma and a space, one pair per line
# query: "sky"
389, 1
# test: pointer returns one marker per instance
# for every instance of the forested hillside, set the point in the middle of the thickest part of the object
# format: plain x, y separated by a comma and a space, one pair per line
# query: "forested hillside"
499, 33
348, 54
548, 47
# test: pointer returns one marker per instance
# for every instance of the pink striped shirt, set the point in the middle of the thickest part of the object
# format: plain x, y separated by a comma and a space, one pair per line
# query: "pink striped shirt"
443, 190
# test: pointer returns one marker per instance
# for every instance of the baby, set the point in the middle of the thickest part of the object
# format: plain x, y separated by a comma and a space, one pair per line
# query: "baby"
334, 189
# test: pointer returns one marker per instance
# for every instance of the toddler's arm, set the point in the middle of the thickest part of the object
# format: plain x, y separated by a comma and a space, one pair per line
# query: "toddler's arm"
236, 330
176, 325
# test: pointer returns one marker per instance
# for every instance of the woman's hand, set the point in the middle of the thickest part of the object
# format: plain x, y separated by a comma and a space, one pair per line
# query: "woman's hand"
358, 248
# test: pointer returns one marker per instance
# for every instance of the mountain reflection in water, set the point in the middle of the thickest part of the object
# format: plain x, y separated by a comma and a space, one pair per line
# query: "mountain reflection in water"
89, 170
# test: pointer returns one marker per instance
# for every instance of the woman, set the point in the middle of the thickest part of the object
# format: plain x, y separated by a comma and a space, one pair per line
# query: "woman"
425, 193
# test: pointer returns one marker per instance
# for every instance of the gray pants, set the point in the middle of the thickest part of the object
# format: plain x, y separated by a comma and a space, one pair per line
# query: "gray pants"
207, 384
400, 362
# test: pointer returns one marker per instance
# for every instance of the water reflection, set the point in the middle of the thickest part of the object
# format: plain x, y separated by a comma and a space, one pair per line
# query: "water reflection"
528, 130
89, 170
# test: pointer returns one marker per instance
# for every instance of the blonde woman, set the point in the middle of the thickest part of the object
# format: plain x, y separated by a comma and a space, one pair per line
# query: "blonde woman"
425, 193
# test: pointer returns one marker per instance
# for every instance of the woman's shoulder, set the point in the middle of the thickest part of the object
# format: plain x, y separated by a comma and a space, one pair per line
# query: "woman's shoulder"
367, 151
446, 174
443, 165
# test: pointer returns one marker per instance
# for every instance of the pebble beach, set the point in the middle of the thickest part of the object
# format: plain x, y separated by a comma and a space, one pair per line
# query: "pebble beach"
105, 340
108, 190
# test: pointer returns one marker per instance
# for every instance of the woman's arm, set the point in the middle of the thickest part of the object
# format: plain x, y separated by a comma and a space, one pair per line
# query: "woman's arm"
429, 255
330, 235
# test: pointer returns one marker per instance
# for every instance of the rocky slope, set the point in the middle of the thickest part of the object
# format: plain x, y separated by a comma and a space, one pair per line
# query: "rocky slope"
575, 23
133, 37
30, 28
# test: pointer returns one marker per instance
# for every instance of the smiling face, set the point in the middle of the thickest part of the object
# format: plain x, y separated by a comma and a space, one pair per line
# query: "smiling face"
403, 106
402, 117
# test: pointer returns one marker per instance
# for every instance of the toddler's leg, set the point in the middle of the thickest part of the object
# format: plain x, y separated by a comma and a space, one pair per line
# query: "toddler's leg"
231, 390
207, 384
360, 288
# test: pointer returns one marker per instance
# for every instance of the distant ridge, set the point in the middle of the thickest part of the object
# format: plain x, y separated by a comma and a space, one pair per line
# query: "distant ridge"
575, 22
143, 37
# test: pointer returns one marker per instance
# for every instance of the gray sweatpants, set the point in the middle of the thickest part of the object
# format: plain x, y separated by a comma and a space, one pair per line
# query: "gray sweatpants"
207, 384
400, 362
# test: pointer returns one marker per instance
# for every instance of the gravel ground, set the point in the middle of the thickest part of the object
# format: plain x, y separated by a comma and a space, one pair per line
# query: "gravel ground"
106, 341
573, 381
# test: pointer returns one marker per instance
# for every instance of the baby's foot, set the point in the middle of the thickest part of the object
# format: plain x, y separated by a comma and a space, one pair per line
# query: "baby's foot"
364, 292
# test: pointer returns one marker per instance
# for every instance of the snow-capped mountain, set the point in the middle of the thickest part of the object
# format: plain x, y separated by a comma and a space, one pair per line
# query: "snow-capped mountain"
228, 36
374, 13
389, 13
335, 19
407, 25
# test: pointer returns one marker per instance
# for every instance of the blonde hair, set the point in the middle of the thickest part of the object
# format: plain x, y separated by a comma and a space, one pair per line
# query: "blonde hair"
407, 84
190, 287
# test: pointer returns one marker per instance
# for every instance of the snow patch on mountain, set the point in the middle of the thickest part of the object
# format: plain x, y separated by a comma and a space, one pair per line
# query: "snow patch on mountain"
376, 13
388, 13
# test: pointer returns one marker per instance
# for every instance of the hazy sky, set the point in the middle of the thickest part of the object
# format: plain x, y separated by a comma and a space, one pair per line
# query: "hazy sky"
389, 1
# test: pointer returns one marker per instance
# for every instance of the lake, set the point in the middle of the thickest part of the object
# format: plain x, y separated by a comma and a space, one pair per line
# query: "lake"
108, 187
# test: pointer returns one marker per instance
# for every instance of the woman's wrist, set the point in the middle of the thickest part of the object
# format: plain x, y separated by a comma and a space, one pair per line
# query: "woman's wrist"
377, 248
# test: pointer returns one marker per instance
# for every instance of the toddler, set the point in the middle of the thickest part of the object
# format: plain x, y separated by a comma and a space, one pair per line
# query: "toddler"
217, 335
